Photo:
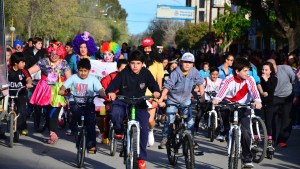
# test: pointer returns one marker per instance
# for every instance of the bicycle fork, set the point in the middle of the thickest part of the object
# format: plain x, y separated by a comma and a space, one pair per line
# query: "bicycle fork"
129, 125
230, 138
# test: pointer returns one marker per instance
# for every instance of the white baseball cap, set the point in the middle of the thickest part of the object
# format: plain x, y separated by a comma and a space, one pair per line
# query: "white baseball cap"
188, 57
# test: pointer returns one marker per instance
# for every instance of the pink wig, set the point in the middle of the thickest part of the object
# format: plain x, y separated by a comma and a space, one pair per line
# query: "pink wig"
57, 48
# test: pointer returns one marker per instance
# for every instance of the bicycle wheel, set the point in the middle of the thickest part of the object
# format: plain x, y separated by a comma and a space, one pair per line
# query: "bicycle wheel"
132, 159
40, 120
259, 145
11, 129
188, 151
234, 150
112, 141
81, 142
211, 128
171, 151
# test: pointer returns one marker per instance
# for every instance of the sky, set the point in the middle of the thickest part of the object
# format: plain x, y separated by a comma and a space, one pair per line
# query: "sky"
141, 12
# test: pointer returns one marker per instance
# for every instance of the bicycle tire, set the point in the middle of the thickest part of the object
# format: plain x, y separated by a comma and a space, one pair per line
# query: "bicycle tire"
211, 128
188, 151
40, 121
261, 144
81, 148
171, 151
132, 155
11, 130
112, 141
234, 150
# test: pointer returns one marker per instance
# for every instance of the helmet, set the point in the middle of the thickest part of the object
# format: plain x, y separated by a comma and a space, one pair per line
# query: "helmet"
147, 42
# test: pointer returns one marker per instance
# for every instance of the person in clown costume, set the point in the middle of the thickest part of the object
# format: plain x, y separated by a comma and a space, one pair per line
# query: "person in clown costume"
111, 52
54, 70
84, 46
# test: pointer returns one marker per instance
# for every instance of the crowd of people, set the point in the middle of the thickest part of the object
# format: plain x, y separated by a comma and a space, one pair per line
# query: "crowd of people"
172, 76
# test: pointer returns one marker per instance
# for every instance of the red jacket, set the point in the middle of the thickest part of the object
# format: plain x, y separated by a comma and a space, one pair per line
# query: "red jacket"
105, 81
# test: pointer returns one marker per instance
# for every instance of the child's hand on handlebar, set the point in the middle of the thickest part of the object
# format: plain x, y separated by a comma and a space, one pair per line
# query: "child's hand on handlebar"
112, 96
257, 105
29, 85
216, 102
156, 95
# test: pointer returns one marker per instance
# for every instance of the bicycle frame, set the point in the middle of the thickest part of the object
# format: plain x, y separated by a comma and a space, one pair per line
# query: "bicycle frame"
256, 126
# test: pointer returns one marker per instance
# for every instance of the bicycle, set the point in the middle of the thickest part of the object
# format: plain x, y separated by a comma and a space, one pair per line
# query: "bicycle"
259, 138
213, 118
80, 137
234, 139
12, 117
131, 139
180, 137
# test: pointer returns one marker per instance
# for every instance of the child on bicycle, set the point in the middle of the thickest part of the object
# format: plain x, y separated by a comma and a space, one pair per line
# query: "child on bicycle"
178, 88
241, 88
19, 77
105, 81
133, 81
211, 84
83, 84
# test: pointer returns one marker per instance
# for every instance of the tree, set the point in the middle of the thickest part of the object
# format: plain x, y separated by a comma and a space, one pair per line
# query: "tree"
231, 26
163, 32
279, 18
190, 36
62, 21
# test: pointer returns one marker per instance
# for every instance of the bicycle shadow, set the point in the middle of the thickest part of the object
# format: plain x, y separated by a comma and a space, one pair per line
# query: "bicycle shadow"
61, 155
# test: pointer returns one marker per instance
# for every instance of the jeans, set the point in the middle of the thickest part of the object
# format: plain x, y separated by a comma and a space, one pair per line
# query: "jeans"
171, 115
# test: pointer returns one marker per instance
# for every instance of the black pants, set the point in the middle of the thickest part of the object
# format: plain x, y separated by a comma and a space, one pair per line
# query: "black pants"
53, 113
21, 111
282, 110
245, 121
268, 111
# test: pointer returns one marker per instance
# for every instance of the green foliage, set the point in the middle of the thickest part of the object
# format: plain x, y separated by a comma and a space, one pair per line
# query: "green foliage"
62, 20
231, 25
191, 35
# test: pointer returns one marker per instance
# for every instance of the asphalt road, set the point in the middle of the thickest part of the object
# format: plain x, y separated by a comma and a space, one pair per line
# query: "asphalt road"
33, 153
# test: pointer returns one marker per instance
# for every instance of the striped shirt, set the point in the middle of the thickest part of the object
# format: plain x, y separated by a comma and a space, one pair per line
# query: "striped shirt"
238, 90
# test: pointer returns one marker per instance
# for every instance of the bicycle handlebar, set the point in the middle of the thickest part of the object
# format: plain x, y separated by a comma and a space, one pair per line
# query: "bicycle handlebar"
19, 89
121, 97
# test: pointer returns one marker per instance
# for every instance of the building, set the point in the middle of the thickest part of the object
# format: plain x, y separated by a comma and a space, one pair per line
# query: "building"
203, 7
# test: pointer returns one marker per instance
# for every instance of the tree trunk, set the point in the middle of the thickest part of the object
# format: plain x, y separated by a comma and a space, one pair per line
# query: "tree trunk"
293, 37
227, 46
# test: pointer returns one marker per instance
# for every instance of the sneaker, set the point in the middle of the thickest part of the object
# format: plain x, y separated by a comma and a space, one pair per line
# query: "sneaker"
24, 132
247, 165
282, 145
142, 164
163, 143
69, 132
220, 138
92, 150
150, 138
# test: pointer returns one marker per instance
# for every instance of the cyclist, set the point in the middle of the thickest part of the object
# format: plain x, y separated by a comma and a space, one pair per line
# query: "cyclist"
241, 88
178, 88
211, 83
133, 81
83, 84
105, 81
19, 77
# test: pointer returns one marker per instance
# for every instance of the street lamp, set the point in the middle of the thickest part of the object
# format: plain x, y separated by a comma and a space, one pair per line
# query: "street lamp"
12, 29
